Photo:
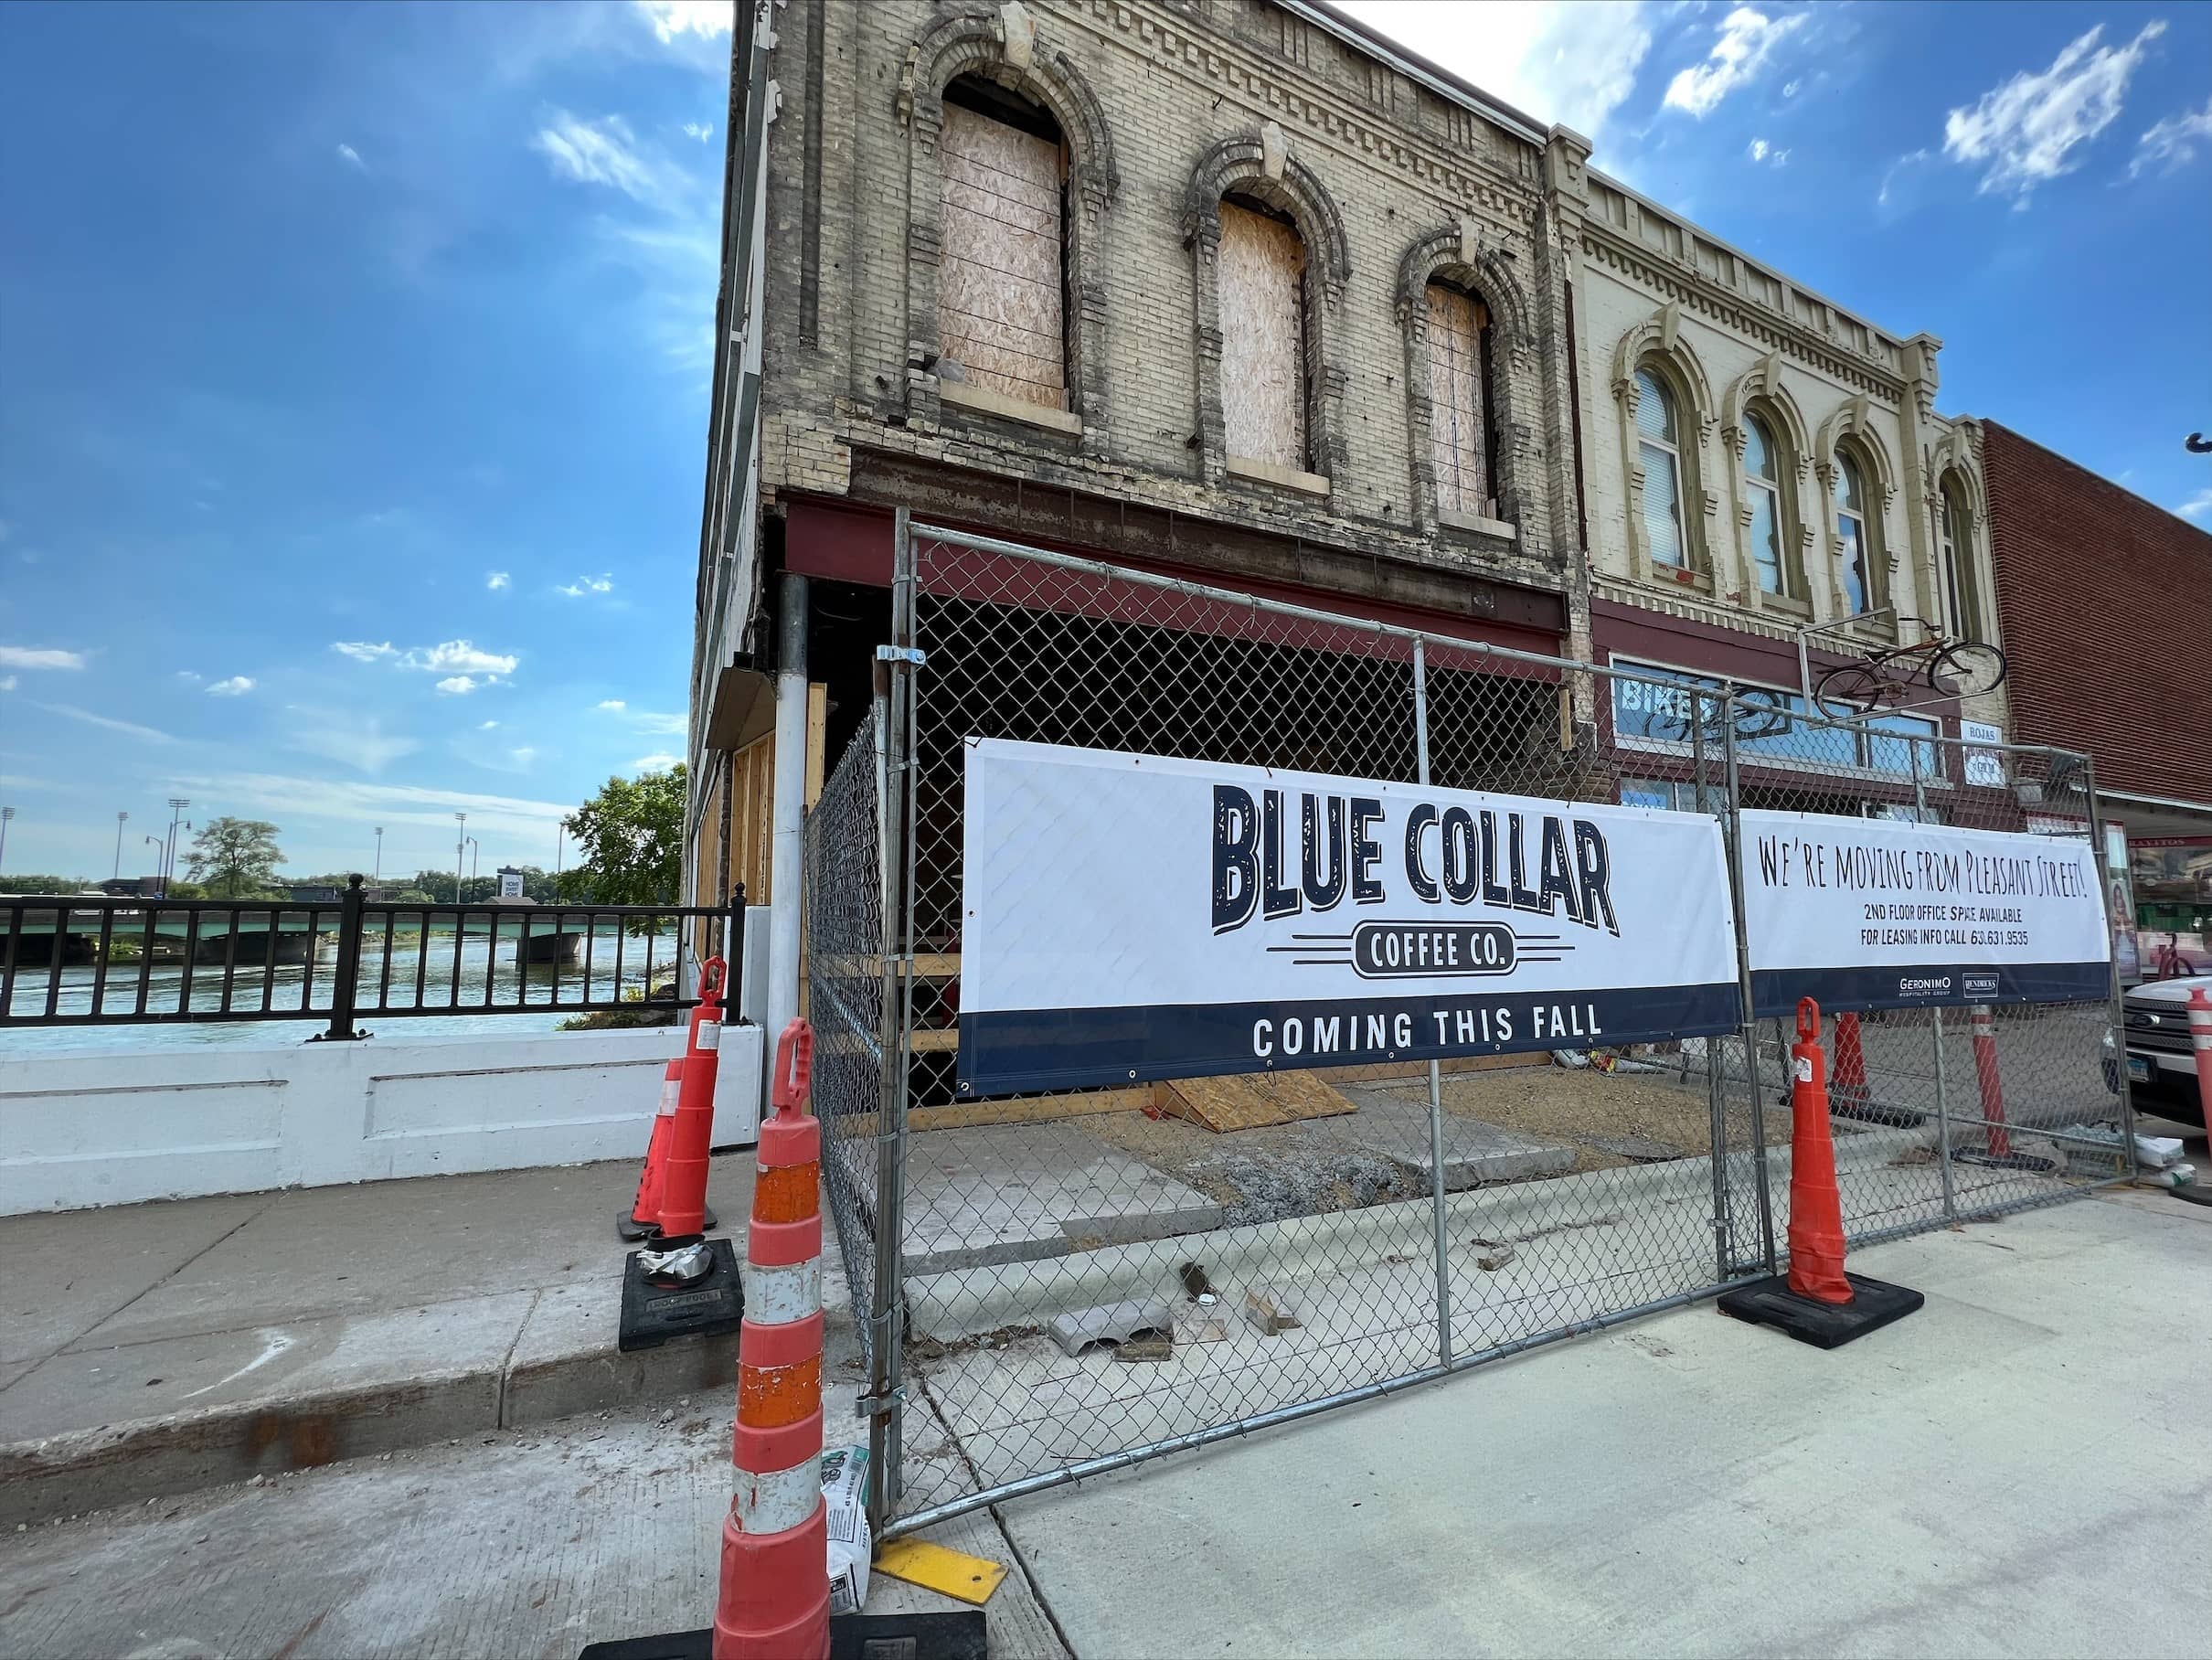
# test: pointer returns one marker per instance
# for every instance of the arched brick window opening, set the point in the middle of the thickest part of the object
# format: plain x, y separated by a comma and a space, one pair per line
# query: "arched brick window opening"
1002, 292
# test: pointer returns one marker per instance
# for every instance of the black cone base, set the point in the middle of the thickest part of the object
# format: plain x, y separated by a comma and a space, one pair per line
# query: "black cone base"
953, 1636
653, 1315
632, 1229
1874, 1305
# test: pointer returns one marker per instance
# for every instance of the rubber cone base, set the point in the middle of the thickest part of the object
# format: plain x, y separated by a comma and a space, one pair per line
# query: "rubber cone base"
953, 1636
653, 1315
1874, 1305
633, 1231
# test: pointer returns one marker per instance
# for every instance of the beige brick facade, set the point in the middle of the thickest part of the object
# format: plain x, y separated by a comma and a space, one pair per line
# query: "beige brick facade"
1165, 108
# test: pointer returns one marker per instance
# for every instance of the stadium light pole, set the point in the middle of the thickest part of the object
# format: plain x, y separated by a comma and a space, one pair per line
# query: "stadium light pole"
378, 879
5, 815
116, 875
461, 838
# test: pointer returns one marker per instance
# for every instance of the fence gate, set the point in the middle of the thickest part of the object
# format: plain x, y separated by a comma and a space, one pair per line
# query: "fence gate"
1263, 1248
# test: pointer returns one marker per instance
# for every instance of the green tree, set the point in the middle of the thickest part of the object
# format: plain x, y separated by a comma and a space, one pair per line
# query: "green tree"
631, 839
235, 857
46, 884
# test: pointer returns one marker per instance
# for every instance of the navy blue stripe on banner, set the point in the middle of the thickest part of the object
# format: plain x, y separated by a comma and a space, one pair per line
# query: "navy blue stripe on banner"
1775, 991
1015, 1051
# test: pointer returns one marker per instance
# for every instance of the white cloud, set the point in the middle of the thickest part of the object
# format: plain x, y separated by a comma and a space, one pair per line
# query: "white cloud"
39, 656
1900, 181
2029, 131
352, 158
655, 763
1762, 150
1790, 88
661, 725
107, 723
361, 651
238, 686
601, 152
702, 130
487, 726
705, 18
498, 580
460, 654
348, 739
584, 585
1758, 149
1572, 61
2198, 507
190, 676
282, 797
1747, 38
521, 757
7, 682
460, 685
2173, 141
614, 704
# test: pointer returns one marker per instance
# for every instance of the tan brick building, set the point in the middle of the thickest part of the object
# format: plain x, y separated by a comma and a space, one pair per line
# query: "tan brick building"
1237, 289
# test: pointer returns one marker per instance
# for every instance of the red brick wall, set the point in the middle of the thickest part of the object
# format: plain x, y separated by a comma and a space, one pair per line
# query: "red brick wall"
2106, 606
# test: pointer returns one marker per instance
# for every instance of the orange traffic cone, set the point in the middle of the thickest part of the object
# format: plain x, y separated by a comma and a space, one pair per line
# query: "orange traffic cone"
1816, 1209
1852, 1095
643, 1220
1818, 1302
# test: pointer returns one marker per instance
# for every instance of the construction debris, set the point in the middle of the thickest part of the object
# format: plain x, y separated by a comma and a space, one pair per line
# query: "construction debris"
1270, 1313
1116, 1322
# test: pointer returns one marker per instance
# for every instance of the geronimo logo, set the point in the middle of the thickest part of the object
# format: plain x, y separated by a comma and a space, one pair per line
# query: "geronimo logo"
1925, 986
1539, 864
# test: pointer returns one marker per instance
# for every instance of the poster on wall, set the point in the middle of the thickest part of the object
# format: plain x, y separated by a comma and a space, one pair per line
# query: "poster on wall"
1871, 913
1127, 917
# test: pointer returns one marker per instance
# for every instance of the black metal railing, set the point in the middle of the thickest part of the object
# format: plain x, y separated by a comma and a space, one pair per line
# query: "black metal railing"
90, 960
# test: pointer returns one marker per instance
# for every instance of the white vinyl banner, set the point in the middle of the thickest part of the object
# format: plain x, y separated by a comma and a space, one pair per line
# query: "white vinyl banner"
1128, 918
1878, 913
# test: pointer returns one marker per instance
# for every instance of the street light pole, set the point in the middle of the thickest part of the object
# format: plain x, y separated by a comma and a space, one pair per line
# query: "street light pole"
461, 839
116, 876
5, 815
475, 853
177, 804
378, 878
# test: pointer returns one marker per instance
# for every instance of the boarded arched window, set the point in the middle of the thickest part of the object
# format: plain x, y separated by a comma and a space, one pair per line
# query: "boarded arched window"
1261, 276
1002, 286
1459, 421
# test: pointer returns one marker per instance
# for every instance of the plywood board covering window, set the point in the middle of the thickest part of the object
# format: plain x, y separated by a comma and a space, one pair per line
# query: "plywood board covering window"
999, 295
1262, 281
1456, 321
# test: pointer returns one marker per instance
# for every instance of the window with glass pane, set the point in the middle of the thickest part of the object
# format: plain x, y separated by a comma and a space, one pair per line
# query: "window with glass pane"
1895, 755
1851, 525
1657, 452
1766, 504
1958, 564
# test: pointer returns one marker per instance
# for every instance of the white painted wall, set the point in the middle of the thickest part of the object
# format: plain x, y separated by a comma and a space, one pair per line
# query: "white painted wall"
103, 1127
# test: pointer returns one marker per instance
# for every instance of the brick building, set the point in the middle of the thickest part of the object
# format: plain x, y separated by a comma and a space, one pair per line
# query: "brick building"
2128, 678
1237, 289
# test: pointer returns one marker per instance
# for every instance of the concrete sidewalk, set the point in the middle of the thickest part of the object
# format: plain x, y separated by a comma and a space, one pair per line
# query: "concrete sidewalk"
160, 1347
2014, 1469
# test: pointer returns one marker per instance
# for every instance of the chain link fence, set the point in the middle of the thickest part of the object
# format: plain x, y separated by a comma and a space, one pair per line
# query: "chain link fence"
1087, 1279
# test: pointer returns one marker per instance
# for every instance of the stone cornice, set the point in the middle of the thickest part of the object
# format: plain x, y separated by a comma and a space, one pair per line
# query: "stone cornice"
1669, 280
1505, 183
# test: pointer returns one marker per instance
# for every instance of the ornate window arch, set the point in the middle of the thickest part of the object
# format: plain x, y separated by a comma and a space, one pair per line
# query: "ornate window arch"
1858, 485
1453, 256
1000, 45
1769, 450
1262, 169
1653, 354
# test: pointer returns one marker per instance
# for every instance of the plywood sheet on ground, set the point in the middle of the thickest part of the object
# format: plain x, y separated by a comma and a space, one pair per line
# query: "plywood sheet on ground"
1250, 1102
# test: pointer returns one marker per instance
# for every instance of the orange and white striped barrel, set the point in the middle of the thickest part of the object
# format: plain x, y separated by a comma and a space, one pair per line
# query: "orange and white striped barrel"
775, 1542
2200, 1040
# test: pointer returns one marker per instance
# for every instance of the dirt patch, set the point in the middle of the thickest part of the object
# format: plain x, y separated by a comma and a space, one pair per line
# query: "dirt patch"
1263, 1176
1570, 1104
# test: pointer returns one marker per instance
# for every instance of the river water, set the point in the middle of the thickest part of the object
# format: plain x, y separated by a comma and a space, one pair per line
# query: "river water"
164, 991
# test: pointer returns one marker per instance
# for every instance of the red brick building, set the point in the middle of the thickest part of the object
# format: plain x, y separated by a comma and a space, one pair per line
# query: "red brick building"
2105, 603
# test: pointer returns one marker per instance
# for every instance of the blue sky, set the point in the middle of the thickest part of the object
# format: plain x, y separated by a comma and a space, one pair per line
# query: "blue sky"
354, 359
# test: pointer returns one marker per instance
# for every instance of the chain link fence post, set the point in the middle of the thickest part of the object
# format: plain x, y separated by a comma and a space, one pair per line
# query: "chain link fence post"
1436, 1078
1732, 835
1935, 1025
2116, 1026
1715, 1094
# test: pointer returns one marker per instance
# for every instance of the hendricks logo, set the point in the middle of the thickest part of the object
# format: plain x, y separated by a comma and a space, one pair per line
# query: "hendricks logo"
1541, 865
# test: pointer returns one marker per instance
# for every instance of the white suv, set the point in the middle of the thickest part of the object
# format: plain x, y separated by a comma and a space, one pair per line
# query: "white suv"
2161, 1066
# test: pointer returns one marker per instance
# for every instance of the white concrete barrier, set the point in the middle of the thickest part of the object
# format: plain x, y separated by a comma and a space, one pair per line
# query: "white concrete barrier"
114, 1127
